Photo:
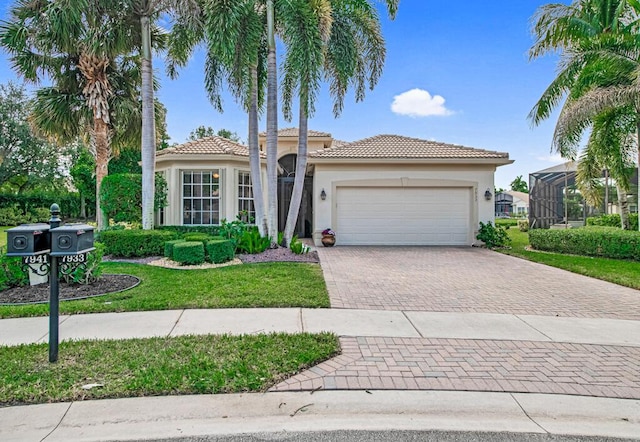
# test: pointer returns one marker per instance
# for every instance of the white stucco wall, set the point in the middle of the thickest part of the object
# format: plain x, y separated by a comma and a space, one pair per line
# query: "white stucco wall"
229, 168
329, 177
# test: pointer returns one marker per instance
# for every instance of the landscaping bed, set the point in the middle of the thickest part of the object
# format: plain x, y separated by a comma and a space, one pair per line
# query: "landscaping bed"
40, 293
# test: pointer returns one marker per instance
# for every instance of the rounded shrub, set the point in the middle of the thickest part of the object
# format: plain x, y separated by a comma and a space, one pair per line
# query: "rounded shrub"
188, 253
221, 250
168, 247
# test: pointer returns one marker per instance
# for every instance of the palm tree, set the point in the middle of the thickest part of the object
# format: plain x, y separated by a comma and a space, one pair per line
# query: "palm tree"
589, 33
352, 51
148, 11
78, 45
234, 35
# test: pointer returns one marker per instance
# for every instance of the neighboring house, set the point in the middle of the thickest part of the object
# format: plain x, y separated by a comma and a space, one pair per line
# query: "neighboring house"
520, 205
383, 190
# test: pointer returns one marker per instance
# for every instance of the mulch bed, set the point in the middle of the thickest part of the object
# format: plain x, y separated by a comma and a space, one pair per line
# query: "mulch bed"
40, 293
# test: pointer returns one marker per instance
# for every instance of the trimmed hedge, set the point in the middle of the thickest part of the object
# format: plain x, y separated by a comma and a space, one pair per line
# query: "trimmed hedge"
506, 222
613, 220
188, 252
182, 230
130, 243
196, 236
168, 247
219, 251
588, 241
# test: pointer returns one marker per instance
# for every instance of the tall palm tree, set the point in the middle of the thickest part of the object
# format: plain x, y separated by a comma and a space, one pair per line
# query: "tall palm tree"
587, 33
77, 45
148, 11
233, 34
352, 53
272, 126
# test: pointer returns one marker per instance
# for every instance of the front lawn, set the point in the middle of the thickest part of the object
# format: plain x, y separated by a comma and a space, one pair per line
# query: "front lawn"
157, 366
274, 284
626, 273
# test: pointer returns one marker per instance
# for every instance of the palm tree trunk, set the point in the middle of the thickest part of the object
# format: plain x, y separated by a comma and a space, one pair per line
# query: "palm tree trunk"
272, 128
254, 156
301, 169
103, 155
624, 207
148, 145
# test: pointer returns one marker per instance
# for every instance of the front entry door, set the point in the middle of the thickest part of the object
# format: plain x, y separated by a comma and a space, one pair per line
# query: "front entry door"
285, 190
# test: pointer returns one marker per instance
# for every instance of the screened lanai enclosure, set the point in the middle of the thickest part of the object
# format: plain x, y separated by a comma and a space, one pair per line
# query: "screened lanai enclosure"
554, 199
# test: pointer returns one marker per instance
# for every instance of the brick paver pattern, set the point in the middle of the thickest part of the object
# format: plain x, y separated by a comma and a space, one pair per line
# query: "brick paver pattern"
373, 363
466, 280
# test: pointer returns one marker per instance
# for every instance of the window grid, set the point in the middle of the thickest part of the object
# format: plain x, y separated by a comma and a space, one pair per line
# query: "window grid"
201, 197
246, 209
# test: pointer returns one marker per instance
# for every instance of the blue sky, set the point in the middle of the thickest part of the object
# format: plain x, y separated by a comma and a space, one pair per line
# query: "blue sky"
456, 72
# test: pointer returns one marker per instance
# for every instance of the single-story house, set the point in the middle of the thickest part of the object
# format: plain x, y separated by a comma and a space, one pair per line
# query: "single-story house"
512, 203
383, 190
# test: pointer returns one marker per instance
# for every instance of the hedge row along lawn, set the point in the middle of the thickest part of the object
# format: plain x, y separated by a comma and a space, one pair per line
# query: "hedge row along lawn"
626, 273
274, 284
157, 366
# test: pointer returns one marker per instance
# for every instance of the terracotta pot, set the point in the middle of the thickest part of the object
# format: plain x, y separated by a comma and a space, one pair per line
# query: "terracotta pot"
328, 240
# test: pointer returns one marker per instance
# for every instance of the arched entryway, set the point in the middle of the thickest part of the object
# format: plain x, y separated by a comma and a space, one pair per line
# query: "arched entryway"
286, 177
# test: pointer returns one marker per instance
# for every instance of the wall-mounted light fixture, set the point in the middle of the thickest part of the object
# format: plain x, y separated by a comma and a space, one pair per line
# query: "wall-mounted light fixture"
323, 195
487, 194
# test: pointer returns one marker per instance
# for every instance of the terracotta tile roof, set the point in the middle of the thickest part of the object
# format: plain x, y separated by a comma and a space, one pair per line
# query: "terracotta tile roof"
395, 146
208, 145
293, 132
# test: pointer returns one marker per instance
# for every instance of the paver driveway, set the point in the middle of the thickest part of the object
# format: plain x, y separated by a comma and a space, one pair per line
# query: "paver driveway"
471, 280
466, 280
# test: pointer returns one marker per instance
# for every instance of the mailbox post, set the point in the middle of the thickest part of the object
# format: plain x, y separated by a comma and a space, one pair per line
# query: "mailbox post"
52, 248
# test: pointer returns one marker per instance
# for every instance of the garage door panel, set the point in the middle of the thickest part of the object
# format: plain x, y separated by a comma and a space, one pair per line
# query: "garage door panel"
387, 216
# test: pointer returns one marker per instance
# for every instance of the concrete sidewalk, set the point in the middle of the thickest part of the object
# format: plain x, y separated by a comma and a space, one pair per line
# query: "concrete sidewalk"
369, 406
281, 414
353, 323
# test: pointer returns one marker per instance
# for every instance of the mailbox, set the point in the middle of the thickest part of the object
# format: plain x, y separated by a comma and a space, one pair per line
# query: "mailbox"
71, 239
28, 240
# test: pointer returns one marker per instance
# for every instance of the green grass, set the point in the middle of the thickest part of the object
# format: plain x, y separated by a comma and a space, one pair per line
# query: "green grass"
273, 284
626, 273
157, 366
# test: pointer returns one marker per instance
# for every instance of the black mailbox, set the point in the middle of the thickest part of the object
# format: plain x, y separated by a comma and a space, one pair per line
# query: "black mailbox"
71, 239
28, 240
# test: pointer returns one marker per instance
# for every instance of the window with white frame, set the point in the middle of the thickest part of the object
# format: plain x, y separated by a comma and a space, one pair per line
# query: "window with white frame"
246, 209
201, 196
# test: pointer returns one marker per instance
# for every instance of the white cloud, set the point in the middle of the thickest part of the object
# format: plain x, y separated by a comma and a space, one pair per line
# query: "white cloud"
419, 103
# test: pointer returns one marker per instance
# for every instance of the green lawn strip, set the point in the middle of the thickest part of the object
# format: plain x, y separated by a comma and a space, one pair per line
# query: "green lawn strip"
626, 273
3, 235
158, 366
273, 284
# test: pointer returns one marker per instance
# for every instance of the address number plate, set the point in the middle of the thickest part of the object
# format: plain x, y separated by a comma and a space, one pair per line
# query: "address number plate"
44, 259
35, 259
73, 258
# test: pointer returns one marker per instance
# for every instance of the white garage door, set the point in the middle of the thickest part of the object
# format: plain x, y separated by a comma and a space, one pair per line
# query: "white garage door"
403, 216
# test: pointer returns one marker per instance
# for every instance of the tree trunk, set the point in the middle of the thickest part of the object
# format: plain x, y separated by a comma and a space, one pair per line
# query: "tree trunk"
272, 129
254, 156
103, 155
148, 145
83, 206
624, 207
301, 169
